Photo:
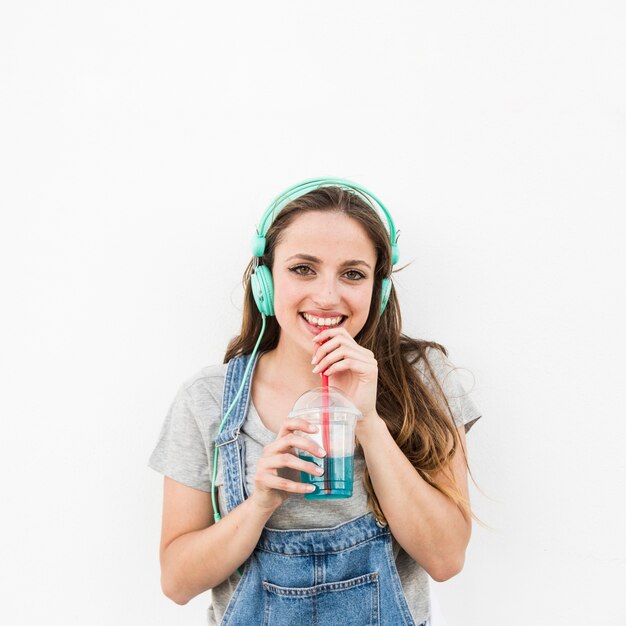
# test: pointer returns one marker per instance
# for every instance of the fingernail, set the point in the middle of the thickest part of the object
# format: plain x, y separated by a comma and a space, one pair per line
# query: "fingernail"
321, 452
313, 429
313, 360
315, 369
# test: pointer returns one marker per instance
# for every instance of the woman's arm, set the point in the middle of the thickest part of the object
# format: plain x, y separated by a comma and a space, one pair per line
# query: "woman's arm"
427, 524
196, 553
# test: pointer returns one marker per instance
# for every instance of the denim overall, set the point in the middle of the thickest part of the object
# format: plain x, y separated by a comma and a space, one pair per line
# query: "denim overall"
342, 575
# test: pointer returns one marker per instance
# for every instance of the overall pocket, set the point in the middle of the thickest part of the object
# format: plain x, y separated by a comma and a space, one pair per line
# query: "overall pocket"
351, 602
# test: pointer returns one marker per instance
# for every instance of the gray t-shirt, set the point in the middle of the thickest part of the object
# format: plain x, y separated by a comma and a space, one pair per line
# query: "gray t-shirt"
184, 452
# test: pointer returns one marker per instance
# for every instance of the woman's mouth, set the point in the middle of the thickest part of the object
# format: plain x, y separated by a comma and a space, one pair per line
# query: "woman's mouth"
315, 324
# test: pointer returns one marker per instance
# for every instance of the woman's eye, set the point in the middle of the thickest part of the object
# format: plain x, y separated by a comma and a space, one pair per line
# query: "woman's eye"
300, 267
355, 275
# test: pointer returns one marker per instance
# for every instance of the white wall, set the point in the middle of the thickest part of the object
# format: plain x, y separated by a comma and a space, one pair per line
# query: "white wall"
140, 143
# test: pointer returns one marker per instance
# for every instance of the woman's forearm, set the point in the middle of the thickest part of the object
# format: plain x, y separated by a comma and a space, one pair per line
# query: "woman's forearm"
202, 559
426, 523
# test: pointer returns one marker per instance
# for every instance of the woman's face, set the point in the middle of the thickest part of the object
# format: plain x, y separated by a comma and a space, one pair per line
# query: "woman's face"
323, 274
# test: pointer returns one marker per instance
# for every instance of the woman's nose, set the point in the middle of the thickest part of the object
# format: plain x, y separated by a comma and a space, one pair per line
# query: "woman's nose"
327, 293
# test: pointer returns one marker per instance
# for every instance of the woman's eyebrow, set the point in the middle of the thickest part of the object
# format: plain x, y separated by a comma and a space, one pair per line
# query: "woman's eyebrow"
314, 259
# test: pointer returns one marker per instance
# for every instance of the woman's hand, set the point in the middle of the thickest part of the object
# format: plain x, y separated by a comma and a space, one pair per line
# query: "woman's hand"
350, 367
270, 489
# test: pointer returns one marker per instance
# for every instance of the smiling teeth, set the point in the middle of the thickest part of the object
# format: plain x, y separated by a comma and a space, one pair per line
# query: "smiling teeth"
322, 321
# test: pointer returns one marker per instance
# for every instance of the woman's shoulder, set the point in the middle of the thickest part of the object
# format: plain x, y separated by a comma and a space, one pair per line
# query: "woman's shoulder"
203, 391
430, 359
208, 380
440, 374
427, 357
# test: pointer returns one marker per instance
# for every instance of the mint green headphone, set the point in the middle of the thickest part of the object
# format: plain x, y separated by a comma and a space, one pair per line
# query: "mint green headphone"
261, 282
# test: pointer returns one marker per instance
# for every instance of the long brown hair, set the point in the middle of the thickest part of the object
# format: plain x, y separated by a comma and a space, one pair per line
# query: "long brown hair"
418, 418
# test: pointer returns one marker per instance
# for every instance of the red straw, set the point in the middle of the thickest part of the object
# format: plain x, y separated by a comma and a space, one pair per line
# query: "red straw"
326, 427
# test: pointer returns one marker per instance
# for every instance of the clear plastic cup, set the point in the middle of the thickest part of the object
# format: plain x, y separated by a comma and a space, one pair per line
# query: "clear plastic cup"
338, 463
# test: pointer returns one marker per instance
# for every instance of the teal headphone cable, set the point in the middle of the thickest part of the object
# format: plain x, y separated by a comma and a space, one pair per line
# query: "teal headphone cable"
216, 515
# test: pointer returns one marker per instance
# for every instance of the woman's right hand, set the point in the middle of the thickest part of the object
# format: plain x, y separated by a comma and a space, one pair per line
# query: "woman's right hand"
270, 489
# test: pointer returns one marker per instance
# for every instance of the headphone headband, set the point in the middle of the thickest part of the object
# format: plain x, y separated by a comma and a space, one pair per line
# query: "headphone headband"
295, 191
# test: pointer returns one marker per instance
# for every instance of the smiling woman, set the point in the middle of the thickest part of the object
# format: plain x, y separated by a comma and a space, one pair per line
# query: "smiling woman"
318, 298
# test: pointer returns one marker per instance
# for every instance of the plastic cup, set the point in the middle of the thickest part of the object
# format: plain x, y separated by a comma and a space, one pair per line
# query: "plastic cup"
338, 463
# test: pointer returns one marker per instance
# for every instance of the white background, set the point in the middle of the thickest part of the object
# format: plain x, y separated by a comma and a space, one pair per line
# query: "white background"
140, 143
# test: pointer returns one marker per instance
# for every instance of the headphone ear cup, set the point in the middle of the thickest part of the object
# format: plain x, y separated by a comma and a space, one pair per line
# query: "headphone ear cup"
385, 292
262, 286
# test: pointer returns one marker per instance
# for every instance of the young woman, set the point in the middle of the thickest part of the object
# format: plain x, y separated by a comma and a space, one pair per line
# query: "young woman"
323, 259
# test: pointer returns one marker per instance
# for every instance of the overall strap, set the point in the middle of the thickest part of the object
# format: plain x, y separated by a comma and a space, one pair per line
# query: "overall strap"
229, 444
234, 377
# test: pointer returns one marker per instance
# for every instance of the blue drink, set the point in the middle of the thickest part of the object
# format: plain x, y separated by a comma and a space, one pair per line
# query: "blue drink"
335, 416
339, 476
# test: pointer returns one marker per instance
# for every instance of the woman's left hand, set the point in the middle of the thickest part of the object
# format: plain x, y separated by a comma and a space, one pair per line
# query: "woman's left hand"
350, 367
